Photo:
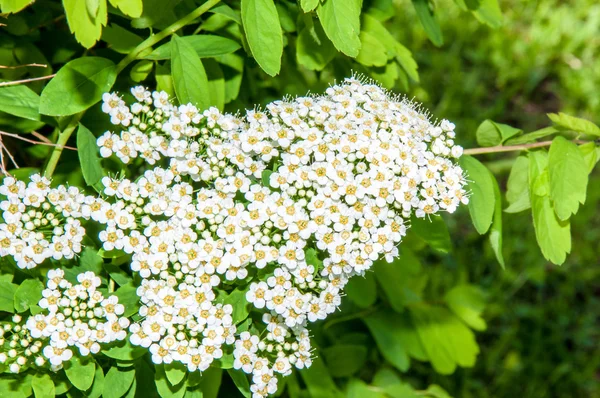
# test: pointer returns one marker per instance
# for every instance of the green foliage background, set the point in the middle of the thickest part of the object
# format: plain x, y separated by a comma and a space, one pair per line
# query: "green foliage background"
447, 320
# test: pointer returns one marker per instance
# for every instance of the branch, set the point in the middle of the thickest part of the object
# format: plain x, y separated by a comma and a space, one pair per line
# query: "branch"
44, 142
511, 148
33, 79
152, 40
63, 137
23, 66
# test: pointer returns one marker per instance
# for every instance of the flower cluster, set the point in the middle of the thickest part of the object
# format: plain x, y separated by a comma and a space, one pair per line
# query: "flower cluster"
76, 315
41, 222
18, 348
271, 211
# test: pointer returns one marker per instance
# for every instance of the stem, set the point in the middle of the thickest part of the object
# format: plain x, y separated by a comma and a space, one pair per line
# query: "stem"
510, 148
32, 79
152, 40
63, 137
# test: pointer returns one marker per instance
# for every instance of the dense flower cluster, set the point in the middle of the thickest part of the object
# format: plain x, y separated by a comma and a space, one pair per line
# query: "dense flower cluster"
40, 222
279, 207
73, 315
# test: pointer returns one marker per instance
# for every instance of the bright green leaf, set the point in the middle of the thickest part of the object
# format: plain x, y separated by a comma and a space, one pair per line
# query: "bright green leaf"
319, 382
189, 77
117, 382
141, 70
131, 8
568, 176
20, 101
7, 296
13, 6
574, 123
204, 45
490, 133
496, 228
531, 137
372, 52
517, 187
81, 372
482, 199
467, 302
357, 388
29, 293
216, 83
124, 351
211, 382
43, 386
308, 5
341, 23
489, 12
77, 86
313, 49
590, 155
175, 372
127, 295
263, 32
86, 27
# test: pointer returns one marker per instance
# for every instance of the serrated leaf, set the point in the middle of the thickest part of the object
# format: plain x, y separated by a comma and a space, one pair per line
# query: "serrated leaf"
446, 340
77, 86
204, 45
86, 27
341, 23
372, 51
20, 101
313, 49
87, 150
568, 177
429, 22
189, 77
482, 199
263, 32
590, 155
14, 6
28, 294
309, 5
43, 386
117, 381
362, 290
80, 372
467, 302
131, 8
574, 123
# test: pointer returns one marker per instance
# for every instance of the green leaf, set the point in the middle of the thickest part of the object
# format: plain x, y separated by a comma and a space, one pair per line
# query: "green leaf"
362, 290
189, 77
77, 86
343, 360
118, 381
232, 66
568, 175
93, 6
228, 12
43, 386
141, 70
574, 123
489, 12
87, 150
429, 22
211, 382
313, 49
164, 81
308, 5
156, 13
13, 6
386, 331
517, 187
237, 299
372, 52
263, 32
341, 23
216, 83
86, 27
392, 386
120, 39
80, 372
496, 228
401, 280
552, 234
482, 199
434, 231
467, 302
20, 101
124, 351
590, 155
97, 387
131, 8
7, 296
531, 137
127, 295
319, 382
490, 133
240, 379
29, 293
204, 45
447, 341
359, 389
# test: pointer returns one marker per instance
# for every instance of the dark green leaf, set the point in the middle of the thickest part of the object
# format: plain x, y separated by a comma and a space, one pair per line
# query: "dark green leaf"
240, 379
120, 39
20, 101
343, 360
362, 290
189, 77
319, 382
430, 24
434, 231
359, 389
401, 280
88, 156
263, 32
127, 295
77, 86
211, 382
386, 332
216, 83
313, 49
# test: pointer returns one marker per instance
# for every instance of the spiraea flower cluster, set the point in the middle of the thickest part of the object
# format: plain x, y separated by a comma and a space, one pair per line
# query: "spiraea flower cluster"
73, 316
40, 222
271, 212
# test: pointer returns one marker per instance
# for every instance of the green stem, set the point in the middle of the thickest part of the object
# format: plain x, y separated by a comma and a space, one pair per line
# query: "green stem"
63, 137
510, 148
152, 40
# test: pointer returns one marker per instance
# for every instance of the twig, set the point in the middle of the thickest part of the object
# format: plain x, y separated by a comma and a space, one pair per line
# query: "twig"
23, 66
48, 143
9, 155
33, 79
40, 137
510, 148
2, 163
